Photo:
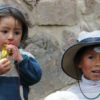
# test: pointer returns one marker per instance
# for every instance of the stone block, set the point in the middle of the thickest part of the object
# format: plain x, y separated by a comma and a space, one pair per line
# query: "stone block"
56, 12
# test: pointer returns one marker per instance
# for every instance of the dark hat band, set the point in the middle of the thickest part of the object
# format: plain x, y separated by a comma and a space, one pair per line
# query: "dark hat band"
89, 40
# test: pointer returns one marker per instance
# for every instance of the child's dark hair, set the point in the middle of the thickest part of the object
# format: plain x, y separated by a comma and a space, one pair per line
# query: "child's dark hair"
79, 55
77, 59
17, 14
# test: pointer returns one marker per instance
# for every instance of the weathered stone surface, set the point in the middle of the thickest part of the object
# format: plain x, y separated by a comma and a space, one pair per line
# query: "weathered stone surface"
32, 3
46, 50
55, 31
49, 12
89, 14
90, 6
69, 38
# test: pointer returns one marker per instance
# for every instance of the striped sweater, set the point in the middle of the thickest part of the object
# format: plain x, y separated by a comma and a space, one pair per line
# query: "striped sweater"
14, 85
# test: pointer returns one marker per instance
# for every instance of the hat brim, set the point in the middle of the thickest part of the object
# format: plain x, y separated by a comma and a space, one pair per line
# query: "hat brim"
67, 62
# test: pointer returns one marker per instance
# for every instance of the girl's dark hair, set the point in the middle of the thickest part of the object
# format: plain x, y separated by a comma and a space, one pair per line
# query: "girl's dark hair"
77, 59
79, 55
18, 15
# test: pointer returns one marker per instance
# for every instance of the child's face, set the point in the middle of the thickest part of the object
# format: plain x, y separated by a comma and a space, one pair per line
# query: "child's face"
10, 31
90, 64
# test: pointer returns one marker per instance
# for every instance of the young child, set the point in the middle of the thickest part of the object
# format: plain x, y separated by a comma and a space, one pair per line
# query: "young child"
16, 77
81, 61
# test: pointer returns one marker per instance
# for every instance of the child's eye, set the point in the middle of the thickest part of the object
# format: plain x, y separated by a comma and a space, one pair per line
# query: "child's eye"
4, 31
91, 57
17, 33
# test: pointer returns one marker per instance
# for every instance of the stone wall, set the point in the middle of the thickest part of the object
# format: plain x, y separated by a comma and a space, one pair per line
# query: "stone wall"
53, 27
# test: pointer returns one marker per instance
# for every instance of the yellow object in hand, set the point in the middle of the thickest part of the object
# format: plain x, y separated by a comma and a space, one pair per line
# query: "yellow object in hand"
5, 52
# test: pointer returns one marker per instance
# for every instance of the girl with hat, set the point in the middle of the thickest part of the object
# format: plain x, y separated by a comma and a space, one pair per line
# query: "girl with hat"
81, 61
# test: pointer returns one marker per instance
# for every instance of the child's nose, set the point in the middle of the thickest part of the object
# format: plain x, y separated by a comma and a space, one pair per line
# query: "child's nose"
10, 36
98, 62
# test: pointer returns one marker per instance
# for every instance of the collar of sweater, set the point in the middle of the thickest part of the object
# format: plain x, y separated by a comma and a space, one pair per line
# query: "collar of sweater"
89, 83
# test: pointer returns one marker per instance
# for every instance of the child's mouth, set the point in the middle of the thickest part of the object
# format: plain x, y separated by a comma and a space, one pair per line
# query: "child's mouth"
96, 72
10, 43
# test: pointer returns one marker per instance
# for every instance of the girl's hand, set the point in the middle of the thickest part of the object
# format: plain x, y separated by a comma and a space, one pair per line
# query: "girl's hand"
5, 66
14, 53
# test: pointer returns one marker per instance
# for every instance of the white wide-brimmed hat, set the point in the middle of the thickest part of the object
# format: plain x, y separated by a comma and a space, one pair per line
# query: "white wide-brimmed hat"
84, 39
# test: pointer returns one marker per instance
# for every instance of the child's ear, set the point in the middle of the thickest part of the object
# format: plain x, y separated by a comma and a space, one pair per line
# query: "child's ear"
79, 65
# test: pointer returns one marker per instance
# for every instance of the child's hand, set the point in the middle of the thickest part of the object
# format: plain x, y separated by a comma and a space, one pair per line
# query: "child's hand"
14, 52
5, 66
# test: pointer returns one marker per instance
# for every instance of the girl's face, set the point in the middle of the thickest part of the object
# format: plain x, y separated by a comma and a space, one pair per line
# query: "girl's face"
10, 31
90, 64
